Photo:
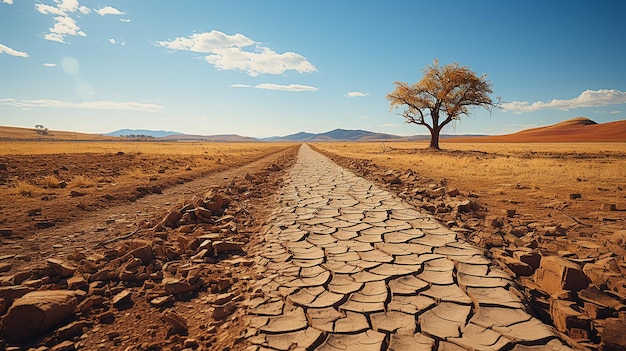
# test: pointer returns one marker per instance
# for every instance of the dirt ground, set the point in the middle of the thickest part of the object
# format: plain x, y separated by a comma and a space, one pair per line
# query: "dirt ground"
187, 295
579, 187
40, 190
552, 203
116, 215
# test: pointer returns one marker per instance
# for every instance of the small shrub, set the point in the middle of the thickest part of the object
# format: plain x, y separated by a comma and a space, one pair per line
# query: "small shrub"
81, 181
51, 181
137, 173
25, 189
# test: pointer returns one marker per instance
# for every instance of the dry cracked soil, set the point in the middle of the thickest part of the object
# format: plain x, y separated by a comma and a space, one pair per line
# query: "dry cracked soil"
293, 252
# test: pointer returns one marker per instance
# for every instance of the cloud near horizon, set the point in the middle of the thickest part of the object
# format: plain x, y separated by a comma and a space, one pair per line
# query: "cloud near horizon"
588, 98
356, 94
9, 51
227, 52
270, 86
93, 105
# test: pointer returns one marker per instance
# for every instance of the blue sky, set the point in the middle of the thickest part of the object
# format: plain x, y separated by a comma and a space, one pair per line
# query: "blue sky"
263, 68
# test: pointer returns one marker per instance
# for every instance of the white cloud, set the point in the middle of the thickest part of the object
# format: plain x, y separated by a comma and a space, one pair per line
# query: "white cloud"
7, 50
108, 10
54, 37
290, 87
271, 86
68, 5
126, 20
10, 2
49, 10
227, 52
207, 42
356, 94
114, 42
587, 98
50, 64
93, 105
65, 24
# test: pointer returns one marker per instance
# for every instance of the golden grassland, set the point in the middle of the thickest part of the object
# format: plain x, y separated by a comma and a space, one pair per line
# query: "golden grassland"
145, 147
31, 134
34, 165
553, 168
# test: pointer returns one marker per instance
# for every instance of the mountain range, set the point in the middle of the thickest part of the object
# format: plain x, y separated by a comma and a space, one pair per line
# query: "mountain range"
333, 135
145, 132
572, 130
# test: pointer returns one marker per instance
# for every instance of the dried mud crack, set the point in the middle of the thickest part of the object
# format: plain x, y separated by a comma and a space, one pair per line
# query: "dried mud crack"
347, 265
295, 252
572, 272
167, 272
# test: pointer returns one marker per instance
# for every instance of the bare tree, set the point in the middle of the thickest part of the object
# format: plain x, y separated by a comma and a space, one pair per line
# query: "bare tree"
443, 95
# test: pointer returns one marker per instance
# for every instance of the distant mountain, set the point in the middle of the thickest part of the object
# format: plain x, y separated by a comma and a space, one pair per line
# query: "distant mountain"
572, 130
152, 133
291, 137
335, 135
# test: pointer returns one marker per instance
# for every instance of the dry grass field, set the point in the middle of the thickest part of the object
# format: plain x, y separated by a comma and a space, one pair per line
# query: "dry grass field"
70, 195
80, 200
531, 178
51, 179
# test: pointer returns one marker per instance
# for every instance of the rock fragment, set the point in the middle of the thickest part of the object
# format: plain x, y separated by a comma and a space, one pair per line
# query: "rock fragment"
557, 274
178, 323
36, 312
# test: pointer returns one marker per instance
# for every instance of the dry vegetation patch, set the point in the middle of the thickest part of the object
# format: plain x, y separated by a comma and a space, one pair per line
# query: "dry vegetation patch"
134, 277
525, 175
43, 184
552, 215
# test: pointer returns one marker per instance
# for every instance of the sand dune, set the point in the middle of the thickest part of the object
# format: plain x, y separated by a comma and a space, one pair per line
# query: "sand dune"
573, 130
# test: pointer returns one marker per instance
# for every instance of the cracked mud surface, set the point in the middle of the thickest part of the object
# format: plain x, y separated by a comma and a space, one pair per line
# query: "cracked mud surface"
348, 266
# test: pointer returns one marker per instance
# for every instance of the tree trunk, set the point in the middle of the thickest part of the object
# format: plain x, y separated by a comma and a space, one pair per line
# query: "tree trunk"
434, 139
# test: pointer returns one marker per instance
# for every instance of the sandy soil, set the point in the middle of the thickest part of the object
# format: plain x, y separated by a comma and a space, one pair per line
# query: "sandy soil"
109, 221
104, 226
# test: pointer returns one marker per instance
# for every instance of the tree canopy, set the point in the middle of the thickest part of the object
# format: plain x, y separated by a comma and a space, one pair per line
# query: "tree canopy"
443, 95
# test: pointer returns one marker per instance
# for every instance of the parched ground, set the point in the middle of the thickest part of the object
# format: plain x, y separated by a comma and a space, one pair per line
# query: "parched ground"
93, 233
205, 228
566, 202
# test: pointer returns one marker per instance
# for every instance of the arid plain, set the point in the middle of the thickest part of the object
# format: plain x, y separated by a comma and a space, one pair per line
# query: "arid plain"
78, 214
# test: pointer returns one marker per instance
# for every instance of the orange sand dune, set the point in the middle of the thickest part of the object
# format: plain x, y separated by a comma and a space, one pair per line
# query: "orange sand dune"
573, 130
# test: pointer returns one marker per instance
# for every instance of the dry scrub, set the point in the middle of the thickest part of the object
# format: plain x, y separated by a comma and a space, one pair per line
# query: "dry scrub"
59, 180
555, 170
541, 212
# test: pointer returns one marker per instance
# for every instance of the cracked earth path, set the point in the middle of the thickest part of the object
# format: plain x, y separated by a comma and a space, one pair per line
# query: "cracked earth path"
348, 266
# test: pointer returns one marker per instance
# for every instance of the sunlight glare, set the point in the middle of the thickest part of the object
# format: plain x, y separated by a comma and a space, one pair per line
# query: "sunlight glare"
70, 65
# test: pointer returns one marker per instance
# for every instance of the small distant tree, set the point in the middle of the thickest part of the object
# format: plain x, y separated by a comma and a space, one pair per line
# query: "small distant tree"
443, 95
41, 129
